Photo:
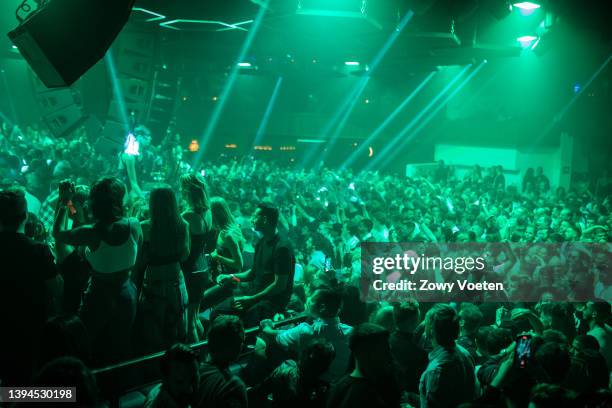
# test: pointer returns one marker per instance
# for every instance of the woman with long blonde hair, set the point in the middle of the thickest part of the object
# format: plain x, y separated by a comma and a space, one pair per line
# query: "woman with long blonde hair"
230, 242
196, 268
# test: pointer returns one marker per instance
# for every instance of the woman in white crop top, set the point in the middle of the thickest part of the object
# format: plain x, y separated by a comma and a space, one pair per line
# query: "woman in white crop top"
111, 246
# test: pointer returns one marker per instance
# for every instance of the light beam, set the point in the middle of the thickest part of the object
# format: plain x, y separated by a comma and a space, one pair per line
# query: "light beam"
384, 124
392, 145
110, 64
264, 120
351, 101
223, 97
567, 107
437, 109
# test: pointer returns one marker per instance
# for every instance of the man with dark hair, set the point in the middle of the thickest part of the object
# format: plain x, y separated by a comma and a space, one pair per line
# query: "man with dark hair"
583, 342
218, 386
407, 352
29, 288
298, 384
324, 307
69, 372
449, 378
372, 383
588, 371
272, 272
14, 209
497, 339
549, 396
554, 359
470, 318
180, 379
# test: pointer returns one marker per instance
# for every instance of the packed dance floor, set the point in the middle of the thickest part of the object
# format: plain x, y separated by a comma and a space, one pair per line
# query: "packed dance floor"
306, 203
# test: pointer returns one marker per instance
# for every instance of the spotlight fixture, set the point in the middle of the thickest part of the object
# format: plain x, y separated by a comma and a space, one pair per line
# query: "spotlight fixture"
351, 63
526, 41
244, 64
527, 6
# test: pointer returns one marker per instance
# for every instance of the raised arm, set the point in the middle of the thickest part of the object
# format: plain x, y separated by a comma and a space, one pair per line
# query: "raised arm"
84, 235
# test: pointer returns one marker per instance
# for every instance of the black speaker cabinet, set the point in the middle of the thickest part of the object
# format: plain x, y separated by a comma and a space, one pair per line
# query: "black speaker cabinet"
64, 38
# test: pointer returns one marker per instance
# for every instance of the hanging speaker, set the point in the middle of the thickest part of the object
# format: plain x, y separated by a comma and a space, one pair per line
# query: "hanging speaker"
64, 38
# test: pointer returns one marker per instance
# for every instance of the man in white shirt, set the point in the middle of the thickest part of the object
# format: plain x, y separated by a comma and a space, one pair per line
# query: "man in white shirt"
324, 307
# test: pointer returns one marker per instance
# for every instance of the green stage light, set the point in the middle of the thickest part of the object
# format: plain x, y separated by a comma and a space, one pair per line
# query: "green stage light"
526, 41
351, 63
526, 7
244, 64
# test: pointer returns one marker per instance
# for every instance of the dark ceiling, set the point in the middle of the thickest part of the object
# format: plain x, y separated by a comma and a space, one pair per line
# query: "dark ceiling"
442, 32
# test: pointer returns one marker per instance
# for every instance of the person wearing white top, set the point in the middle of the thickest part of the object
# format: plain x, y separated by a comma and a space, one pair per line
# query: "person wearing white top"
324, 308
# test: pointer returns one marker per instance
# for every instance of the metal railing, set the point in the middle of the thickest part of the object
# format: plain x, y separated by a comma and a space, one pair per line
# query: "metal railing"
118, 379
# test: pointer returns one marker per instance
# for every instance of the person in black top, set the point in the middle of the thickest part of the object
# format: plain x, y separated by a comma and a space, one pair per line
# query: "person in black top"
528, 179
218, 386
180, 379
29, 284
372, 383
499, 180
470, 319
297, 384
272, 272
406, 349
542, 183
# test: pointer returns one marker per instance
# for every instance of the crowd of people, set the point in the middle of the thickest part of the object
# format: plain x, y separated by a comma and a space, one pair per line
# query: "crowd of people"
103, 262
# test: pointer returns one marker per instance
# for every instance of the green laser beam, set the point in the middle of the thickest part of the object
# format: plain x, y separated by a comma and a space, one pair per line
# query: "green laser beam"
438, 108
391, 146
218, 109
364, 145
110, 64
264, 120
350, 102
